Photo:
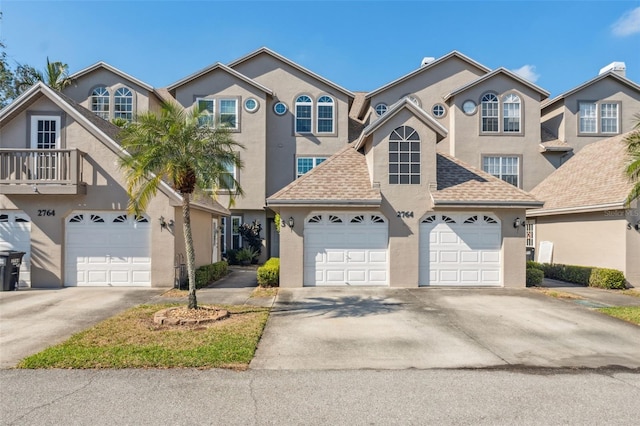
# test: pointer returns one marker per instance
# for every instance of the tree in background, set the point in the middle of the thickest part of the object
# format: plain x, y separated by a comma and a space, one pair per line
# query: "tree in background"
56, 76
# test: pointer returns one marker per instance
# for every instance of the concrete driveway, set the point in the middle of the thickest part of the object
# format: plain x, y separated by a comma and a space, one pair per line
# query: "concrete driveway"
34, 319
349, 328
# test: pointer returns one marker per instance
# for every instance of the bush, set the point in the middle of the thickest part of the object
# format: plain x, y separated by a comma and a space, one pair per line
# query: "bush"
607, 278
584, 275
534, 276
250, 234
230, 255
269, 273
207, 274
534, 265
246, 255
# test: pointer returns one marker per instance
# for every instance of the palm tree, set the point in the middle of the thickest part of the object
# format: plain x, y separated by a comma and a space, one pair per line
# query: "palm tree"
633, 169
174, 147
56, 76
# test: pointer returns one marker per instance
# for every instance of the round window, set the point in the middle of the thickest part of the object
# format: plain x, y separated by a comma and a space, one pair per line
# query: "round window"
280, 108
469, 107
438, 110
251, 105
381, 108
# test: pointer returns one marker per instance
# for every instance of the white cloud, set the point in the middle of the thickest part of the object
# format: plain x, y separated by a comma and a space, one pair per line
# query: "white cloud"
628, 24
528, 72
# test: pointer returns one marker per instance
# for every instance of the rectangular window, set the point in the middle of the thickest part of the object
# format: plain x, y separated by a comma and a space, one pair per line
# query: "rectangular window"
223, 234
208, 108
45, 136
229, 113
490, 117
511, 117
325, 118
609, 118
303, 118
588, 117
304, 164
505, 168
227, 178
404, 162
236, 239
530, 233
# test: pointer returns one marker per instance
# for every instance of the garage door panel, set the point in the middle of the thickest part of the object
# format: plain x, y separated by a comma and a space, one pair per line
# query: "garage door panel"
15, 234
107, 253
459, 249
355, 250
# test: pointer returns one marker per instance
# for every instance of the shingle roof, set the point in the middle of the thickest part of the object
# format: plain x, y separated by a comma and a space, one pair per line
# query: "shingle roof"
344, 179
114, 70
544, 94
461, 184
105, 126
592, 178
341, 179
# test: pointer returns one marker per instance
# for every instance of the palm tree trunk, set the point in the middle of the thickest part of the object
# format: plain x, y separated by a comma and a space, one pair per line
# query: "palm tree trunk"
188, 242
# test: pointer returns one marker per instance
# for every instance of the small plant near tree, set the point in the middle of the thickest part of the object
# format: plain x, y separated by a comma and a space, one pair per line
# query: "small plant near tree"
246, 255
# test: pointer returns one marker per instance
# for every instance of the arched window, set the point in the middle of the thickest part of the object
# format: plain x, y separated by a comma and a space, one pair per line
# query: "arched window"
123, 104
511, 113
404, 156
325, 114
490, 111
304, 108
100, 102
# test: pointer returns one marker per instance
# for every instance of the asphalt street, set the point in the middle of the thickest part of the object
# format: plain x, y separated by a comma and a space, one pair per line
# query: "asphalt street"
336, 397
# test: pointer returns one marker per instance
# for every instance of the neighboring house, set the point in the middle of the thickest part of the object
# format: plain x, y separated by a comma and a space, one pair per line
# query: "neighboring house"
597, 109
584, 214
63, 202
390, 210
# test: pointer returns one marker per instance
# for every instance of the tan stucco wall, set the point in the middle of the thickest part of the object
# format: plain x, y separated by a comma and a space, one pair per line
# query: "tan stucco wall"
633, 246
80, 90
587, 239
105, 192
201, 232
283, 145
470, 145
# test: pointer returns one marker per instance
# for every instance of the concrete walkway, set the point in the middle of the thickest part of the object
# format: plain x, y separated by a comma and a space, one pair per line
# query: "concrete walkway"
593, 297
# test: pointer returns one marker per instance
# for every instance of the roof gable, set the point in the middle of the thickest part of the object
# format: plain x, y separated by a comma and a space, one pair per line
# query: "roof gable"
500, 71
267, 51
592, 179
611, 74
224, 68
112, 69
402, 104
425, 68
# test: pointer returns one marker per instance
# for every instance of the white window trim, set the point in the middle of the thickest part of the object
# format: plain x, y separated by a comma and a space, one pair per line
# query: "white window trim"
102, 114
223, 234
295, 108
235, 101
504, 115
530, 233
381, 106
598, 117
332, 104
34, 129
316, 162
206, 112
234, 234
133, 102
500, 175
482, 113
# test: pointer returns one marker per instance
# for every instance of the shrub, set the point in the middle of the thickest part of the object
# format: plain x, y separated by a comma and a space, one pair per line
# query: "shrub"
534, 276
250, 234
584, 275
269, 273
534, 265
246, 255
207, 274
607, 278
231, 257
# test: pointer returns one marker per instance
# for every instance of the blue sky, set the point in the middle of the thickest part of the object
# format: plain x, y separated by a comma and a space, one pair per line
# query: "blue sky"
360, 45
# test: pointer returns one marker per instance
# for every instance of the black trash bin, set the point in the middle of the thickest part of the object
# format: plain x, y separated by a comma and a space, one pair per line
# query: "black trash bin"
10, 262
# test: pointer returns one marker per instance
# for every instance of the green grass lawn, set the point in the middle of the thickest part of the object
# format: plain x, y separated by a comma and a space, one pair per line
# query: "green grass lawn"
627, 313
132, 340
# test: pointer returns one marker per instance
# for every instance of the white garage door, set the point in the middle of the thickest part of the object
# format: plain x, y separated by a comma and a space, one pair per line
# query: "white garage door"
15, 234
346, 249
460, 250
107, 249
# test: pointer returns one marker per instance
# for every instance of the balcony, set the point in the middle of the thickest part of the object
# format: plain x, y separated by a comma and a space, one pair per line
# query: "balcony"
41, 171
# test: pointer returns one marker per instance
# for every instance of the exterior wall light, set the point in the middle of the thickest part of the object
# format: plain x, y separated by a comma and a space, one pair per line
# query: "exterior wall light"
290, 222
164, 224
518, 222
